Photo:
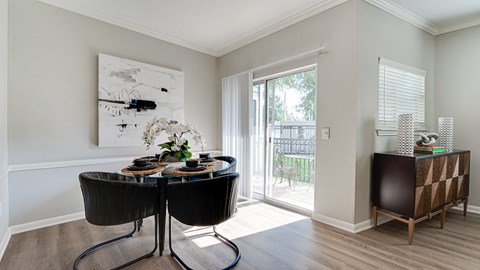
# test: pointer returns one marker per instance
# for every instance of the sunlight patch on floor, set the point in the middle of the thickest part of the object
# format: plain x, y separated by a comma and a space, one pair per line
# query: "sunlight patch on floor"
262, 217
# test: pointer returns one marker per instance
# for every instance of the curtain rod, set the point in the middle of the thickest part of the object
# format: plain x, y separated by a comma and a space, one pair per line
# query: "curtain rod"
320, 50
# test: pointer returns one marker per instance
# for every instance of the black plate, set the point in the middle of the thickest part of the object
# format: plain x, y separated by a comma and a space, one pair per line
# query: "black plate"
193, 169
151, 158
207, 160
149, 166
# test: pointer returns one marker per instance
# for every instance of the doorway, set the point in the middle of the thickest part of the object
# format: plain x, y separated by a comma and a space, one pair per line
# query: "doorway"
283, 138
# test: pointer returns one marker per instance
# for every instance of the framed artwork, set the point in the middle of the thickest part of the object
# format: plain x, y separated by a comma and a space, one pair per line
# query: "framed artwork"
130, 94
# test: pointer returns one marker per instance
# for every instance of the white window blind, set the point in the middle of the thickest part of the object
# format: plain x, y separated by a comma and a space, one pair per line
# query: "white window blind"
401, 90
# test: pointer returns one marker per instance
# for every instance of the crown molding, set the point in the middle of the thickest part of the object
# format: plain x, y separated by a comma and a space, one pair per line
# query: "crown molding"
458, 27
82, 10
304, 14
405, 15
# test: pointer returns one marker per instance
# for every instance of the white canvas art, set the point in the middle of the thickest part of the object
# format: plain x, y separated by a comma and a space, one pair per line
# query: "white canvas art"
130, 94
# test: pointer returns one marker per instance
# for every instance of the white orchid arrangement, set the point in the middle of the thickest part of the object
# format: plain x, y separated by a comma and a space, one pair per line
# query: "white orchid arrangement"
177, 145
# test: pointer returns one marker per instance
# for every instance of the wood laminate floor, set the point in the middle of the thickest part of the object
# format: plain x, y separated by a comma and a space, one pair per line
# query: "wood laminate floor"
269, 238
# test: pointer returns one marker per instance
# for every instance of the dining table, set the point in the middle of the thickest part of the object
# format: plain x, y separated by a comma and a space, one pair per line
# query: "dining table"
163, 173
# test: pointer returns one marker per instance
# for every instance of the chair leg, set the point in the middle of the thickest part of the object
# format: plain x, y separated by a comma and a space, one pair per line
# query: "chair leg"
219, 236
232, 245
174, 255
128, 235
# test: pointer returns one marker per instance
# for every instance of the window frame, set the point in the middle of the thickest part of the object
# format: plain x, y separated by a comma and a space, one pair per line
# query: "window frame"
390, 97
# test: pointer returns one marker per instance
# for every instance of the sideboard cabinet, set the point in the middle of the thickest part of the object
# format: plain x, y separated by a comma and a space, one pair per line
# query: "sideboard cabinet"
412, 188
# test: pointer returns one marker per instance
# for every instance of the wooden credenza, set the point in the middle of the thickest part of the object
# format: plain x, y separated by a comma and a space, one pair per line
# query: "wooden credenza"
412, 188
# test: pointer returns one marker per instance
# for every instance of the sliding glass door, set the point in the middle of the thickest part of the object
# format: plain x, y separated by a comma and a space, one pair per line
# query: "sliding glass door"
284, 138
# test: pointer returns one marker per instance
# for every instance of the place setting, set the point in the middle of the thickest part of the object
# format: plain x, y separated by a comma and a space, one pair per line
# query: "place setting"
192, 166
144, 165
207, 159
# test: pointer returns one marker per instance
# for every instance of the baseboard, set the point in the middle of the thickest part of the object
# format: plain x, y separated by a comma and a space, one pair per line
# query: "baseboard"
349, 227
470, 209
45, 222
4, 243
368, 224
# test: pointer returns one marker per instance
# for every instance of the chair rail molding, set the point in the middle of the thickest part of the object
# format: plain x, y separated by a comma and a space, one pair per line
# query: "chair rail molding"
65, 164
80, 162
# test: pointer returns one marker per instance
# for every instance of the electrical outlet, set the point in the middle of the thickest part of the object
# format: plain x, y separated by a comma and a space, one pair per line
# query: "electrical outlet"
325, 133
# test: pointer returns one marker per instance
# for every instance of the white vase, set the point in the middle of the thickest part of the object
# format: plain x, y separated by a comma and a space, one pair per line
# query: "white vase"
445, 133
406, 138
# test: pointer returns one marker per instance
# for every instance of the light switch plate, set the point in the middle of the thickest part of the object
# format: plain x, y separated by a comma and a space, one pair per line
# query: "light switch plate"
325, 133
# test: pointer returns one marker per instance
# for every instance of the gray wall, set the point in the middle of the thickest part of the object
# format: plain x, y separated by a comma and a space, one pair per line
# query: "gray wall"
52, 114
457, 93
383, 35
335, 29
355, 35
3, 118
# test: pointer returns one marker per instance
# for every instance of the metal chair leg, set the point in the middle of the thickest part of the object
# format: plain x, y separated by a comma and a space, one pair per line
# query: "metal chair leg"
232, 245
128, 235
219, 236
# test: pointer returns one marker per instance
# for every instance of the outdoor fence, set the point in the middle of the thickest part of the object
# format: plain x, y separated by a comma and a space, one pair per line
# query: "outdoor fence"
294, 146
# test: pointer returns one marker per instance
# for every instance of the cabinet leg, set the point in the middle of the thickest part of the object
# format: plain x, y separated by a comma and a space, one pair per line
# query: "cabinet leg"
411, 228
442, 218
375, 217
465, 204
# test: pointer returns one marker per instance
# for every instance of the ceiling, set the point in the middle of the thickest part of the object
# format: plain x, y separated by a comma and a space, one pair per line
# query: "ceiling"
217, 27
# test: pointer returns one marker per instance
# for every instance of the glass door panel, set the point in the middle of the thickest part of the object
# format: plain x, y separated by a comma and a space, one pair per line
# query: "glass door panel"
290, 147
258, 139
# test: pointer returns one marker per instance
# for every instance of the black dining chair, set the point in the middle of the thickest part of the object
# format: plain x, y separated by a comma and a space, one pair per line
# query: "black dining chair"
113, 199
232, 167
205, 202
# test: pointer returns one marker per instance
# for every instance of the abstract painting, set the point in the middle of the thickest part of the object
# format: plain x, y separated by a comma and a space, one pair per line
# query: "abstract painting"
130, 94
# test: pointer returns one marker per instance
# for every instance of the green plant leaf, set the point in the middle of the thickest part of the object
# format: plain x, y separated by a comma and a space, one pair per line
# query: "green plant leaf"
164, 155
167, 145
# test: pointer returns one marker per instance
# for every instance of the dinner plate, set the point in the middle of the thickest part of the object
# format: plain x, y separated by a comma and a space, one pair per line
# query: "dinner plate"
151, 158
193, 169
149, 166
207, 160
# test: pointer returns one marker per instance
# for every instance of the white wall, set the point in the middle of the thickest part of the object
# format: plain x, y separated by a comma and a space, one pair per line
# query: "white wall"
457, 94
383, 35
52, 113
3, 119
334, 29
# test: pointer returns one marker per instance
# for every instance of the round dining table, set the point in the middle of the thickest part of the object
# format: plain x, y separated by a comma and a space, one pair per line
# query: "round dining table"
164, 172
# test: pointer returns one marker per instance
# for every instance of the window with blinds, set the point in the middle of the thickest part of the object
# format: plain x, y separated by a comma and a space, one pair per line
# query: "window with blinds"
401, 90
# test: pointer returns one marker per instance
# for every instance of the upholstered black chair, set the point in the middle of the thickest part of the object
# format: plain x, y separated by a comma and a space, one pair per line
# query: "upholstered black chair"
112, 199
205, 202
232, 168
